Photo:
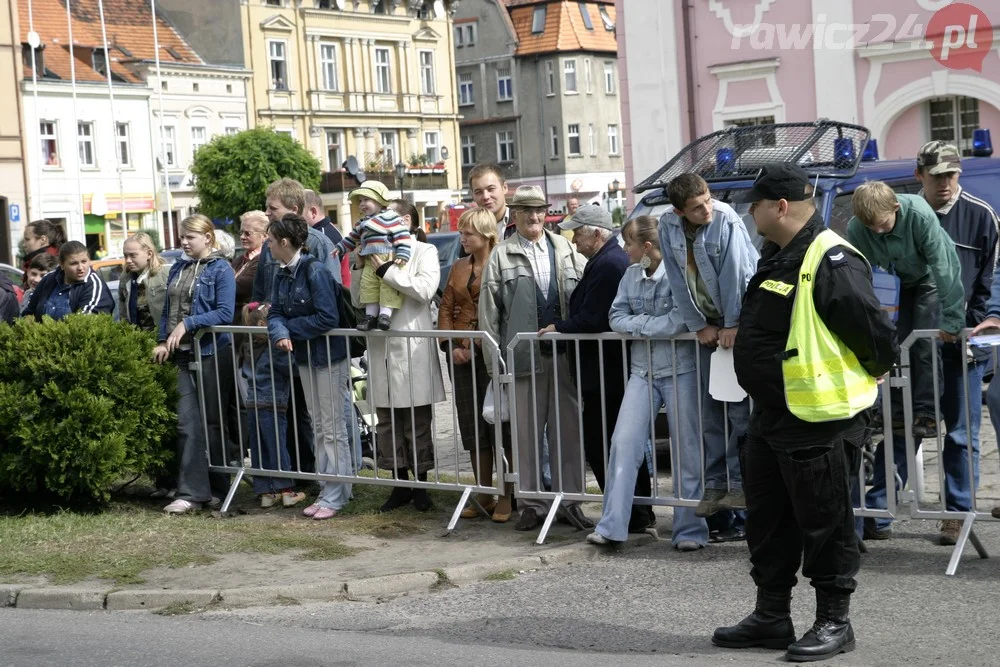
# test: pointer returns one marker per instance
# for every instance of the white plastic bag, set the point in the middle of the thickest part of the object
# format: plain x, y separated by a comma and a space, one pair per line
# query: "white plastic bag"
722, 384
489, 405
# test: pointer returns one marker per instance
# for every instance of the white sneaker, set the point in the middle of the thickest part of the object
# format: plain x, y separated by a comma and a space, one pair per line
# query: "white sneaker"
181, 506
268, 500
597, 538
687, 545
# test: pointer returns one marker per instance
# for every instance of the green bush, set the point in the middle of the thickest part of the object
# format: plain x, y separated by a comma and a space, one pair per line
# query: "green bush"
81, 406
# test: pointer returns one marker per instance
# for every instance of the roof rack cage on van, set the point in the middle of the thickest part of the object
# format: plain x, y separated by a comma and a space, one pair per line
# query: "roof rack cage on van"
823, 148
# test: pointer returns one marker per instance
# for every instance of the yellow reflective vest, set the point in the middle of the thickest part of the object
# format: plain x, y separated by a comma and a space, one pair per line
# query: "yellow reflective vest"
824, 381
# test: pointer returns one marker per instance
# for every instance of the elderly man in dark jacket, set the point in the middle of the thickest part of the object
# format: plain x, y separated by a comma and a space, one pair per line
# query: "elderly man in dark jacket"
595, 238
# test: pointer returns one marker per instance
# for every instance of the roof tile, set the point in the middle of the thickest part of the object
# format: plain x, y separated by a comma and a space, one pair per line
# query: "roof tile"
564, 27
128, 23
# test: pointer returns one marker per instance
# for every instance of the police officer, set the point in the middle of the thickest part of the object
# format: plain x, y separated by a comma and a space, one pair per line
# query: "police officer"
812, 340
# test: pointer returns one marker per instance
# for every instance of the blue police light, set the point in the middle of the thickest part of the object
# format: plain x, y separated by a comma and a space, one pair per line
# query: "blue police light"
843, 152
871, 151
982, 144
725, 160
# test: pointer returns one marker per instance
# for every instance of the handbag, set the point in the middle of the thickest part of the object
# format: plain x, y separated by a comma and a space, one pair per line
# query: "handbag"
489, 405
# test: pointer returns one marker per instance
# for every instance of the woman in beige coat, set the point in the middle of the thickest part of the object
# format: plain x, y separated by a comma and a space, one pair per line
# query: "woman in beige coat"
404, 375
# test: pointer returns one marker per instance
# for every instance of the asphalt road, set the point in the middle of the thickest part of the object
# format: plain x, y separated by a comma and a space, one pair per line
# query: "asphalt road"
648, 606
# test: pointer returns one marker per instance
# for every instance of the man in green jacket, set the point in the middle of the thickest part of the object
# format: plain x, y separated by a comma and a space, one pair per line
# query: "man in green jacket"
901, 234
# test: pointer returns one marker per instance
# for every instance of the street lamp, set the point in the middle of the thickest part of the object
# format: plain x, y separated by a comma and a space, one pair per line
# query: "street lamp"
400, 174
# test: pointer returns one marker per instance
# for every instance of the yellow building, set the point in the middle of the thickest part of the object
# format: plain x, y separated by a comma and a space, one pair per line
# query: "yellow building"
363, 78
13, 174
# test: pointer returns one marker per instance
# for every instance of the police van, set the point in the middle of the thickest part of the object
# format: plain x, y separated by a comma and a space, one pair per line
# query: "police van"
839, 157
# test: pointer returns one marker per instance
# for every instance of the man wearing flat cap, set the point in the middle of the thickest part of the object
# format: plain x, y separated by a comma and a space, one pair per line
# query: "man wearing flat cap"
528, 284
812, 340
593, 233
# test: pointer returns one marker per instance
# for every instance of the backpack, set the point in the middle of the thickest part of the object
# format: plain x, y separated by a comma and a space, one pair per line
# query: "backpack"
348, 315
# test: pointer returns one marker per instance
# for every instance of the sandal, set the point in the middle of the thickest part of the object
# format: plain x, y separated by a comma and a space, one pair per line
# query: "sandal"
311, 510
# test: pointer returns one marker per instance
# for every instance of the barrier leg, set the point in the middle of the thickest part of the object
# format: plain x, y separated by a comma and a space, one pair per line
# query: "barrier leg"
966, 534
458, 510
549, 518
232, 491
917, 476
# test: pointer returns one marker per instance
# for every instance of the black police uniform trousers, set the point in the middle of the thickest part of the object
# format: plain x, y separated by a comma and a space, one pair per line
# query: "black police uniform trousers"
799, 509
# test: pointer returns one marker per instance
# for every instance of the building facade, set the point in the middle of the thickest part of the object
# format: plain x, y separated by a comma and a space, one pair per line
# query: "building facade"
191, 103
372, 79
13, 169
539, 94
692, 68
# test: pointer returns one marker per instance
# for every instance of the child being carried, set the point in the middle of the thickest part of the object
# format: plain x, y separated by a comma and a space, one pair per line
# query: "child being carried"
382, 239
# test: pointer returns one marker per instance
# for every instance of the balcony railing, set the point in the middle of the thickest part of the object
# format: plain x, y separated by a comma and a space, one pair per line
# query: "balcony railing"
341, 181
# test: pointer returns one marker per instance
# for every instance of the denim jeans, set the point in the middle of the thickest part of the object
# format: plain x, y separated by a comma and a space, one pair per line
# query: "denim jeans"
955, 459
628, 448
194, 483
722, 458
269, 448
324, 393
993, 395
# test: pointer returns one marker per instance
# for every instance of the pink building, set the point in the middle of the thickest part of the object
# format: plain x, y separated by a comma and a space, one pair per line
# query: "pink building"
692, 67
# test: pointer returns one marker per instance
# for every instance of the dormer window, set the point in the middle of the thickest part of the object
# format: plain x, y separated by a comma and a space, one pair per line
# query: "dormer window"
39, 63
99, 60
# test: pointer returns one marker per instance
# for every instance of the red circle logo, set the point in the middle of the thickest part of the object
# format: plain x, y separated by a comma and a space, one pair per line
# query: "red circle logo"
960, 36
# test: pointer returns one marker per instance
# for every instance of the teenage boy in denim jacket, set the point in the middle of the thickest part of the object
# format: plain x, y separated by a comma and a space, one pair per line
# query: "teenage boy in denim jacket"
709, 260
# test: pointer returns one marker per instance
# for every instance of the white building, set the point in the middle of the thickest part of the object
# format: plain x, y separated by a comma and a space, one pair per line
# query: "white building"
74, 153
196, 103
94, 149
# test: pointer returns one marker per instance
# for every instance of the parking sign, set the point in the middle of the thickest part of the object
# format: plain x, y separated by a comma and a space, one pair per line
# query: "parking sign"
15, 213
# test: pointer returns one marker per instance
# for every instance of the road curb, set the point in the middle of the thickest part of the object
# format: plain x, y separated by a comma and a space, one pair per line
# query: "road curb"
91, 599
157, 598
78, 599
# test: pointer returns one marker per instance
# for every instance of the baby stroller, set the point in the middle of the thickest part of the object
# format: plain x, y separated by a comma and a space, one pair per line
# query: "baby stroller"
364, 415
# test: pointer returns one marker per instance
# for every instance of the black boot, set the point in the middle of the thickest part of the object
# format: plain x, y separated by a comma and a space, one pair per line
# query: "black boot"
400, 496
421, 500
830, 635
768, 626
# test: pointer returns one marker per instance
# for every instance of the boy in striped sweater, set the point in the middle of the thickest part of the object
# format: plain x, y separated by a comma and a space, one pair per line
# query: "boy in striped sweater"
382, 239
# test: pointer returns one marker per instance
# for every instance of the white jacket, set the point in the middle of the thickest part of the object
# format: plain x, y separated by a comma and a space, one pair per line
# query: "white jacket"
389, 384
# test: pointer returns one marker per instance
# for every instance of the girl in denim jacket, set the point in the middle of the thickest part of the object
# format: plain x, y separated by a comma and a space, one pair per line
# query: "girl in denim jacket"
662, 371
265, 385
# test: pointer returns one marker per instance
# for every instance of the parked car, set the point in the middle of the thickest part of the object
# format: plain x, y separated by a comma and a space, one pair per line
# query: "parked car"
15, 274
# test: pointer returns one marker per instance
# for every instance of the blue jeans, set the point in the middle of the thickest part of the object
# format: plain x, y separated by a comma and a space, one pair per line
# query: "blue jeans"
628, 447
324, 389
993, 397
269, 448
722, 457
955, 458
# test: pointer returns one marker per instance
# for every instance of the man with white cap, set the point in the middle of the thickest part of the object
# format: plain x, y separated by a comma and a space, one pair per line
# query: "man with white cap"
527, 285
593, 233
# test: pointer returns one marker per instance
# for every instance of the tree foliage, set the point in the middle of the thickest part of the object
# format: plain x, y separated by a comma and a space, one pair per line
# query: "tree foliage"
82, 405
232, 172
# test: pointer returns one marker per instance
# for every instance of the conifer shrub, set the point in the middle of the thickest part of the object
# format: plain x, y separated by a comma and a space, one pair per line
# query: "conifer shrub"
82, 406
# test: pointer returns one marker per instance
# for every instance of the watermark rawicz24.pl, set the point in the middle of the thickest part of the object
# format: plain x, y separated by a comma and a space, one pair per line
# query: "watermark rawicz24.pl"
958, 36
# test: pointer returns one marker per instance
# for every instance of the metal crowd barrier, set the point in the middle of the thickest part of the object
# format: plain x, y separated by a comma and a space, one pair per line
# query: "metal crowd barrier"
573, 491
568, 482
915, 501
224, 434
